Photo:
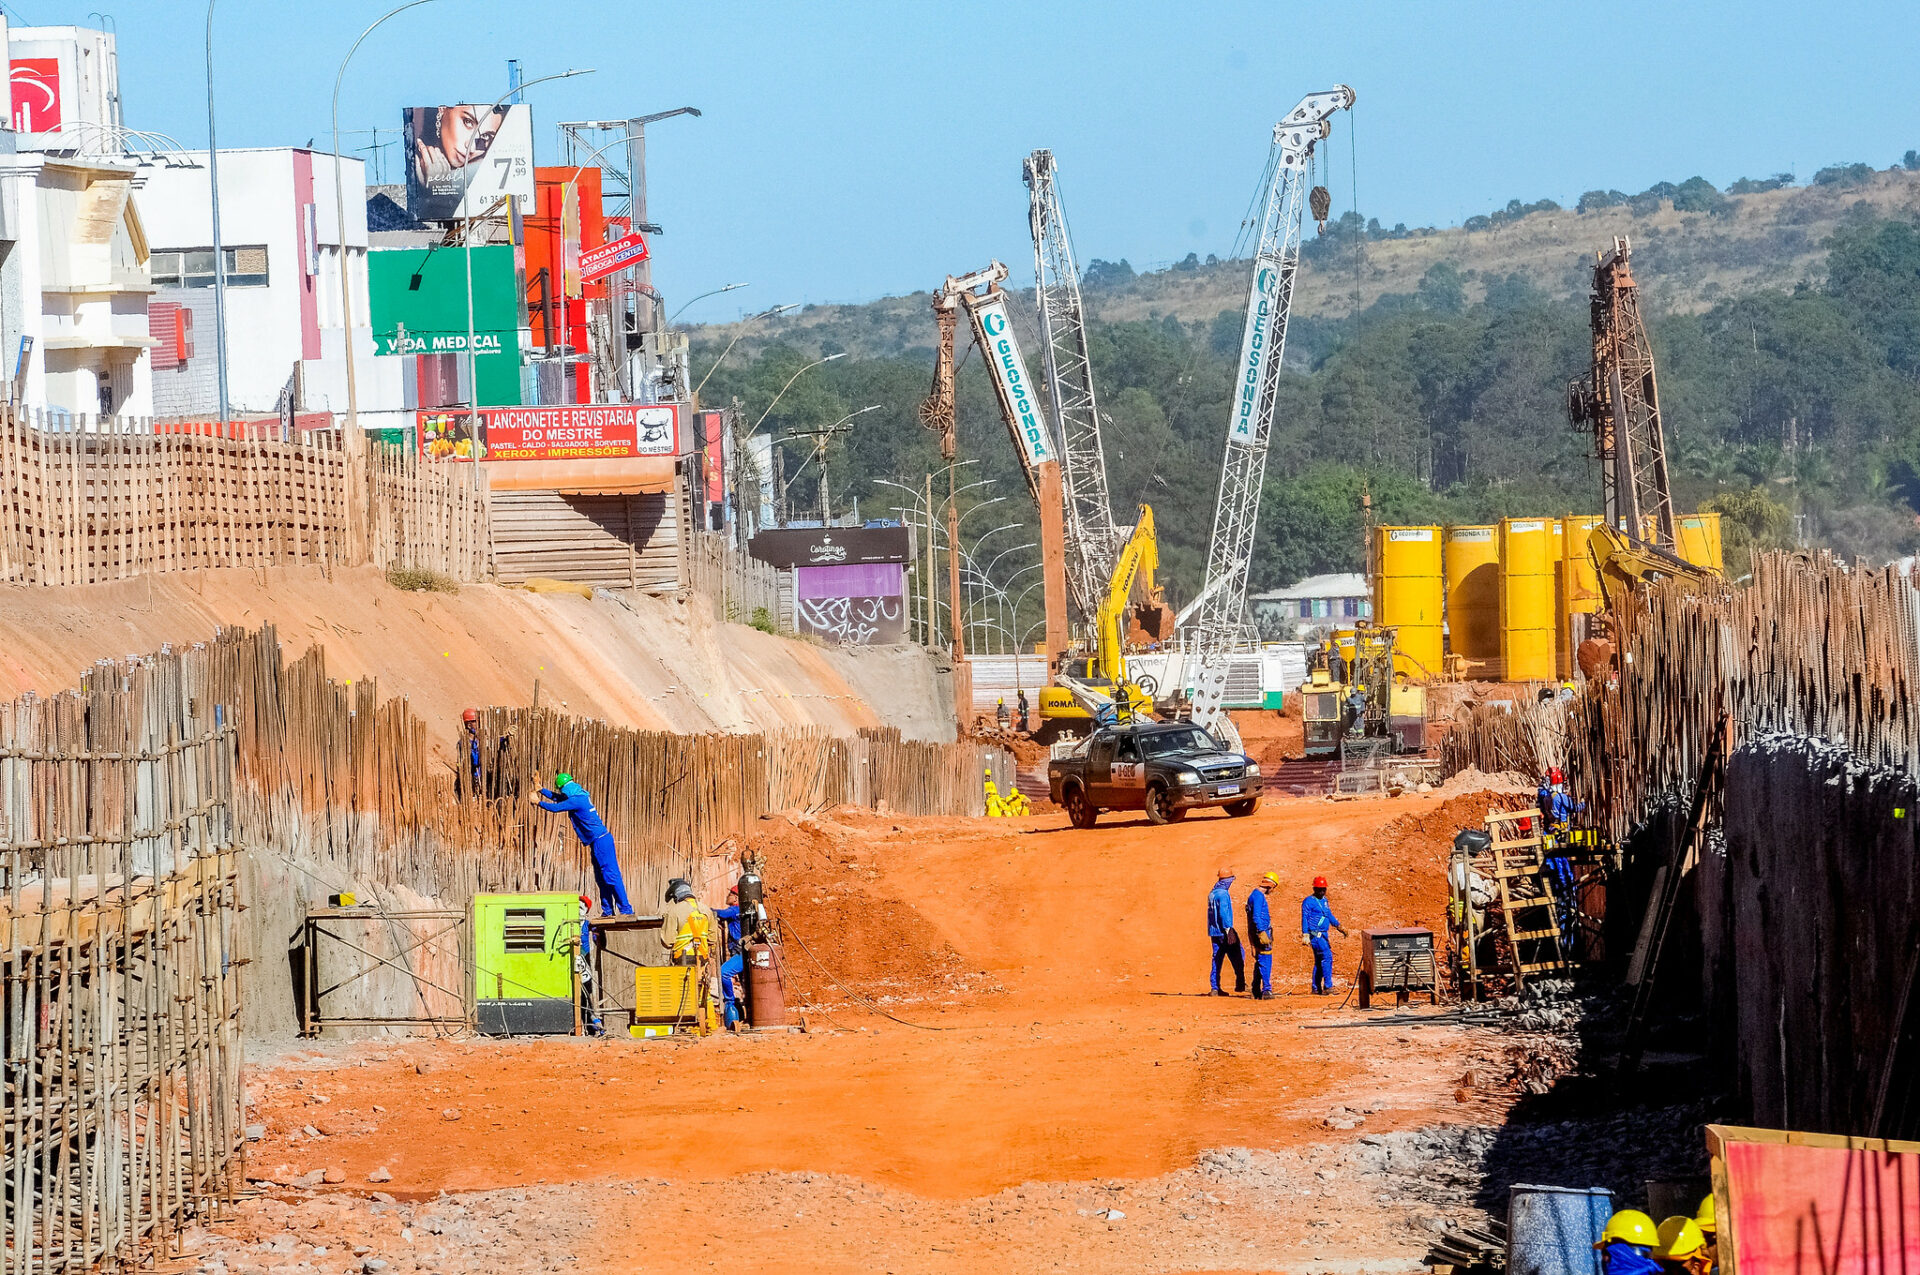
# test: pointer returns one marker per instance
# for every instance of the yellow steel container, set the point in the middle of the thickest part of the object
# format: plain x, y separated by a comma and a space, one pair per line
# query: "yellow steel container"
1576, 588
1529, 554
1473, 598
1699, 537
1409, 595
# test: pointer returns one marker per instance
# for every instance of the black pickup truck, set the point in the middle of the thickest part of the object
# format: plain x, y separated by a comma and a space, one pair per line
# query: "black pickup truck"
1164, 768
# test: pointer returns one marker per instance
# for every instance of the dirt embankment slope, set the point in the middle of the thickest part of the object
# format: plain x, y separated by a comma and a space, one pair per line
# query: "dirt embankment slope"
646, 662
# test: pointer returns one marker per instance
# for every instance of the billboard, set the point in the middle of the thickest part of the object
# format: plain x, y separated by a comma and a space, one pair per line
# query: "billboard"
1010, 379
463, 157
831, 546
35, 83
611, 431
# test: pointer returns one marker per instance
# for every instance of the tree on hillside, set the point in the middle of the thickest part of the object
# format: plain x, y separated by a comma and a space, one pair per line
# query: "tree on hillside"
1442, 290
1102, 274
1697, 194
1757, 186
1843, 176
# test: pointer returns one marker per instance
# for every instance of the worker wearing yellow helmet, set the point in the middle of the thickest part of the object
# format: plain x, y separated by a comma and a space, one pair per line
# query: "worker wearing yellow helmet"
1626, 1245
1708, 1221
1682, 1248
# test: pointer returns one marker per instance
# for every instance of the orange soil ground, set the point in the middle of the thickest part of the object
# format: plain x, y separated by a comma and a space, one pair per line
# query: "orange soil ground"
1077, 1065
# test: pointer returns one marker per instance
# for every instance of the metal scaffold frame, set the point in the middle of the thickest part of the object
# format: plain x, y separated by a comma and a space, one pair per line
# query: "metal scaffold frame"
1093, 540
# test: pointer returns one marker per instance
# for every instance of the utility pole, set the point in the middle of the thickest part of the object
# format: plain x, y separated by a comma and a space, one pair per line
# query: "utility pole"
927, 584
953, 571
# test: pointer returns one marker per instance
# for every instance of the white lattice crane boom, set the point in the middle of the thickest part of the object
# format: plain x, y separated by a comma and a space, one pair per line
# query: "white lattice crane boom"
1092, 539
1222, 623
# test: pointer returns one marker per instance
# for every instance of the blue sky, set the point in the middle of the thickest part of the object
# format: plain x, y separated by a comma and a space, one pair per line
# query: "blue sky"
852, 150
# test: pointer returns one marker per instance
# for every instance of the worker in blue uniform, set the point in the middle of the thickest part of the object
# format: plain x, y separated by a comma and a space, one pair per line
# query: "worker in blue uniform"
1260, 934
570, 798
1226, 941
733, 969
1316, 917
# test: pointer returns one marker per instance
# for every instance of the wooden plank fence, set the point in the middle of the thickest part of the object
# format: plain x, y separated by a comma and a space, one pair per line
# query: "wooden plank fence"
118, 960
737, 585
430, 516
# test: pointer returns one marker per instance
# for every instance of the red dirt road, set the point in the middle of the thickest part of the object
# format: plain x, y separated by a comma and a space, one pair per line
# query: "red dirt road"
1076, 1054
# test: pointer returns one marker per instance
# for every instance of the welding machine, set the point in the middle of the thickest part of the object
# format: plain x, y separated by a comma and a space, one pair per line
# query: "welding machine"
1397, 961
523, 946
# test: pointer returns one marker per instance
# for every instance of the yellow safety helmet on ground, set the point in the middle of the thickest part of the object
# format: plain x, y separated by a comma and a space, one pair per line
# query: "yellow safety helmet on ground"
1705, 1219
1680, 1239
1629, 1226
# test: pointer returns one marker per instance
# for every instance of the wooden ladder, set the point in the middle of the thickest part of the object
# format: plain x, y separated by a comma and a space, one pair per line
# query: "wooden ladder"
1518, 855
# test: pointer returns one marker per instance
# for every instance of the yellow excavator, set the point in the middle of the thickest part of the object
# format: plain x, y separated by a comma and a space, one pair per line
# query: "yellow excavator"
1624, 564
1093, 684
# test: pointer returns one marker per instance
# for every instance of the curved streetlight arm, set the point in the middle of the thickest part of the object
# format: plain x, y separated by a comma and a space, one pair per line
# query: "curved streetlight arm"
764, 314
702, 297
789, 385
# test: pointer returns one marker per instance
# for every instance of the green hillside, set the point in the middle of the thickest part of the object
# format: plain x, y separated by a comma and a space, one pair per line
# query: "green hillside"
1786, 323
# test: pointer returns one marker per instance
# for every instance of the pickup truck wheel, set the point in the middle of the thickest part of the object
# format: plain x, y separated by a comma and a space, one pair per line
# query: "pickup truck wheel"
1080, 812
1160, 807
1241, 809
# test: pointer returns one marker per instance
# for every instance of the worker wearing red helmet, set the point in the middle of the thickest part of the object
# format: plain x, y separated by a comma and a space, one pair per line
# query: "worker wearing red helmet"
472, 719
1316, 916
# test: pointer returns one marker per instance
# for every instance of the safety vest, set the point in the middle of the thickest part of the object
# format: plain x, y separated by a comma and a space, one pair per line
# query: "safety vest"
694, 938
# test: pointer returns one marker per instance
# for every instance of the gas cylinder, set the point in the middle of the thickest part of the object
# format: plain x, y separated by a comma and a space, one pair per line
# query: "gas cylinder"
766, 1000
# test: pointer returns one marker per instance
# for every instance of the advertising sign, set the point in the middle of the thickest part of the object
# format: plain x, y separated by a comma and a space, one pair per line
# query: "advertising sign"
463, 157
36, 95
609, 258
1256, 350
854, 606
831, 546
1010, 379
603, 431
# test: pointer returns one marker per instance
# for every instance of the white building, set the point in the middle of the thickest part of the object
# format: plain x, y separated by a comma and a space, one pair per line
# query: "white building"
1314, 605
284, 256
74, 286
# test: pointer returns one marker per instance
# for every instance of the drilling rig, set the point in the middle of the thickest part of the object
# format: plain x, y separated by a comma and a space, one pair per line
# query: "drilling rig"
1222, 623
1619, 402
985, 302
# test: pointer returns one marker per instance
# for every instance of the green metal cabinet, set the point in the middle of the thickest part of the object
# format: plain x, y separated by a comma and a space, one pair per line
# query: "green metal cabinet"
523, 947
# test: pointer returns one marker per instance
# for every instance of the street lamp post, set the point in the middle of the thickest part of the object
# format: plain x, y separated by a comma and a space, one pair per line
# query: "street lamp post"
466, 245
340, 212
219, 252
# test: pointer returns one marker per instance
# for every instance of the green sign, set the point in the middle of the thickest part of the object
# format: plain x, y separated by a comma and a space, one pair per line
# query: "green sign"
419, 300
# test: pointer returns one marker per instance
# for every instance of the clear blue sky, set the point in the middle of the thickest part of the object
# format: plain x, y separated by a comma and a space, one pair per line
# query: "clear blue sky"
852, 150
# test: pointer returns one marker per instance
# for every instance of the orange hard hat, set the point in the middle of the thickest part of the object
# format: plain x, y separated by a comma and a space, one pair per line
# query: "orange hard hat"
1319, 883
471, 715
1223, 873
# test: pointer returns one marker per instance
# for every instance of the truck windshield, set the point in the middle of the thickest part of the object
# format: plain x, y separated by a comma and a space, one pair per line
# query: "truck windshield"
1165, 743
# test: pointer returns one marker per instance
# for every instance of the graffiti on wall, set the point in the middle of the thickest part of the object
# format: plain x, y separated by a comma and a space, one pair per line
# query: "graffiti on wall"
854, 621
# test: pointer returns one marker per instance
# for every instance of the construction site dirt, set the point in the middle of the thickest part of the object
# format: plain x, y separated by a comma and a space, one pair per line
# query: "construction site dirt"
1010, 1055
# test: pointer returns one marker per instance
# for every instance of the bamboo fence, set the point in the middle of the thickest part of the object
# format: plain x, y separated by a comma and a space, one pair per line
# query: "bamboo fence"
84, 500
331, 773
1811, 647
430, 516
736, 584
123, 1113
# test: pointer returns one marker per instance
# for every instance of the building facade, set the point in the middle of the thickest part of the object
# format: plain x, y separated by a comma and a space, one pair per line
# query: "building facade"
284, 257
74, 287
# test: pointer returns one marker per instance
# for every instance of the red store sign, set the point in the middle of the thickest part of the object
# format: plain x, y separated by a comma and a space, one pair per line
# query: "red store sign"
605, 431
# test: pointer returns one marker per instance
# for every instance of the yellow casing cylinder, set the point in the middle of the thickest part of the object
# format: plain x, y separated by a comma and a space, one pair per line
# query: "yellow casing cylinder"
1473, 597
1409, 595
1577, 587
1528, 558
1699, 540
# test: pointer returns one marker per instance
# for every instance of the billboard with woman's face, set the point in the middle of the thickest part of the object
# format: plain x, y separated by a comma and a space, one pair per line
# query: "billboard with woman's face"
462, 158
